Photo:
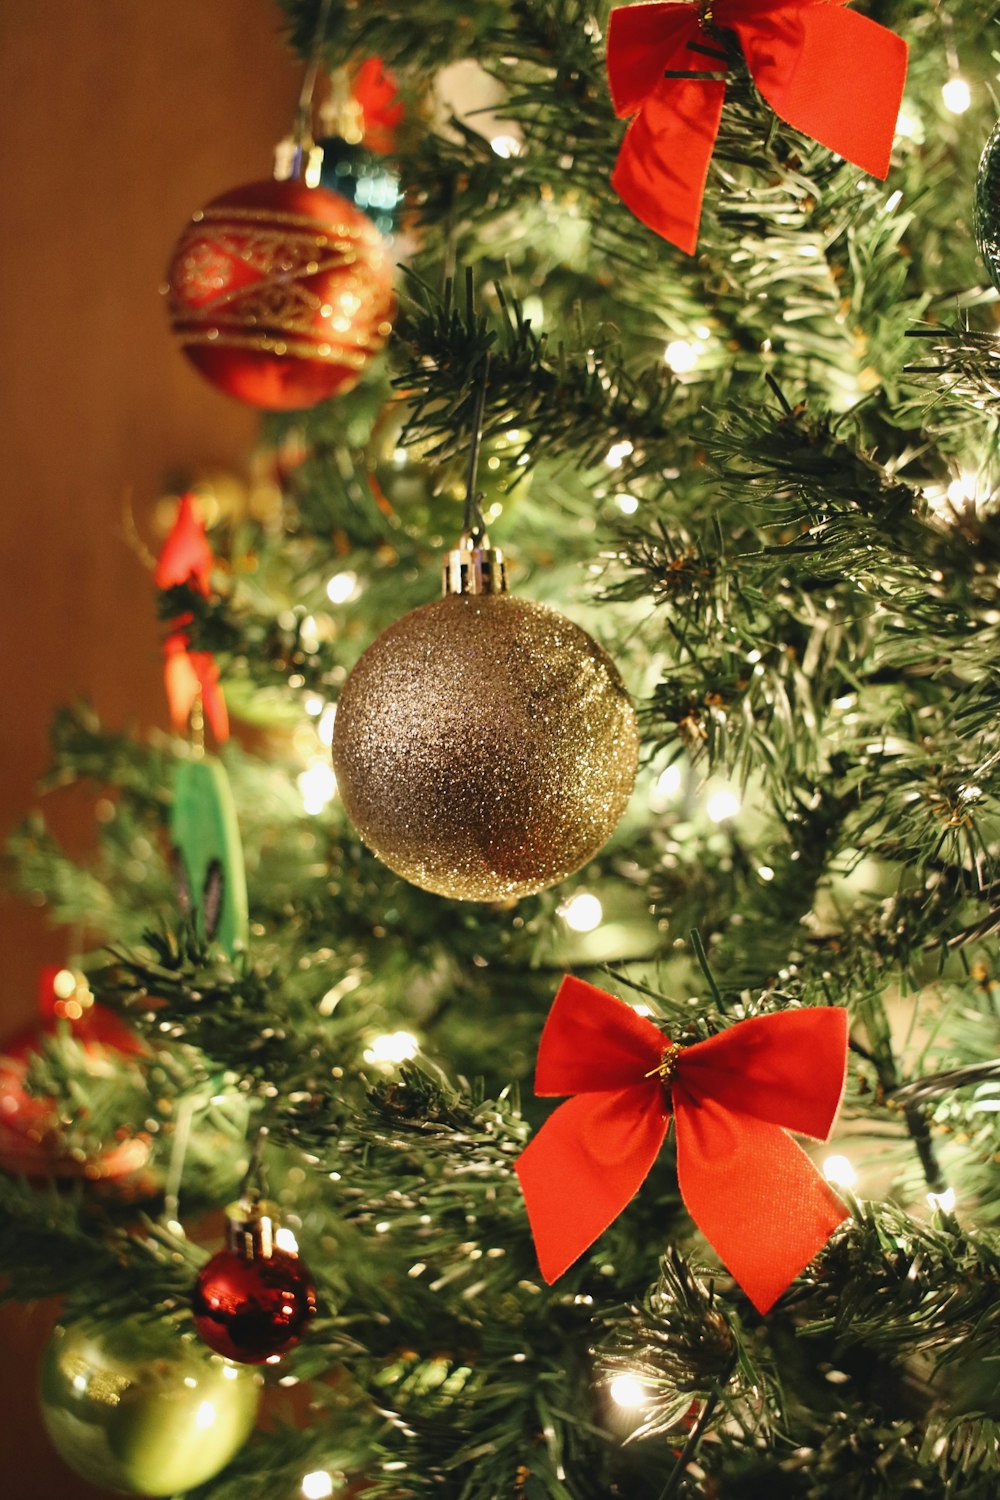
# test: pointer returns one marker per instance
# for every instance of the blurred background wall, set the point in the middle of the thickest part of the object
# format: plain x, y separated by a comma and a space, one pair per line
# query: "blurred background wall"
119, 118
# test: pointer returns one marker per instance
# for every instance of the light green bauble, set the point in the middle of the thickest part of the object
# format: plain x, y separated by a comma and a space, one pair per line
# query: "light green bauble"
134, 1406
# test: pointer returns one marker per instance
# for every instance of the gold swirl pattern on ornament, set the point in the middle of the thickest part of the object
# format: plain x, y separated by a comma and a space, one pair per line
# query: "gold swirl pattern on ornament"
286, 294
310, 226
485, 747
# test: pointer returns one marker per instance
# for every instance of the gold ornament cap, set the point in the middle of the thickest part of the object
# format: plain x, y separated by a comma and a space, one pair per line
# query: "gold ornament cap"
474, 567
250, 1226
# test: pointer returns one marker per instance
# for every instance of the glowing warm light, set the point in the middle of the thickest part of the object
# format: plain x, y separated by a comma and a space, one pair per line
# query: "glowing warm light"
506, 146
722, 804
957, 95
628, 1392
582, 912
681, 356
908, 124
839, 1171
309, 634
618, 453
230, 1372
666, 788
943, 1202
313, 703
391, 1048
317, 786
64, 984
765, 872
342, 587
627, 504
962, 491
285, 1239
205, 1416
325, 726
317, 1485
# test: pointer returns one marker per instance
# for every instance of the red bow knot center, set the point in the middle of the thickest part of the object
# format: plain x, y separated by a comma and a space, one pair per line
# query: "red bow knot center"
667, 1066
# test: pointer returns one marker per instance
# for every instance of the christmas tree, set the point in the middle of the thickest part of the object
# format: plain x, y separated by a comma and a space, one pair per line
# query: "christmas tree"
719, 387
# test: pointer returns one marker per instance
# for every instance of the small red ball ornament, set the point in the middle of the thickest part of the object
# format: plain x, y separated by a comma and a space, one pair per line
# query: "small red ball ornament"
280, 293
253, 1300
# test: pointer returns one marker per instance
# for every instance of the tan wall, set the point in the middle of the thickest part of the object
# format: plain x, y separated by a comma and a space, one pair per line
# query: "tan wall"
119, 117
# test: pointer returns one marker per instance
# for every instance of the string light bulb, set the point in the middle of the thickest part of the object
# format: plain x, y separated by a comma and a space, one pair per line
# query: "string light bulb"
342, 587
943, 1203
956, 94
839, 1171
318, 1485
392, 1048
582, 912
628, 1392
722, 804
317, 786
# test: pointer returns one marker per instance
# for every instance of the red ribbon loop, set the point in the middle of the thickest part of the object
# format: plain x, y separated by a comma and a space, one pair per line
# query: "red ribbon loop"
836, 76
752, 1191
187, 558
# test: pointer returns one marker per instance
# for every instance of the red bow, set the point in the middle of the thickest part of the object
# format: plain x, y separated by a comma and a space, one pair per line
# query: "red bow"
187, 558
751, 1190
376, 91
834, 75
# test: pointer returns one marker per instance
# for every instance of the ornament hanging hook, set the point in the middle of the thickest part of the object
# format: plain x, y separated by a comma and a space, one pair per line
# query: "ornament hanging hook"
303, 114
254, 1185
473, 523
297, 157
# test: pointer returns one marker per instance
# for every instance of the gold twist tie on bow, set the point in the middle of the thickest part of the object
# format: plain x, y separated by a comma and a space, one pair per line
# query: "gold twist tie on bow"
667, 1066
706, 17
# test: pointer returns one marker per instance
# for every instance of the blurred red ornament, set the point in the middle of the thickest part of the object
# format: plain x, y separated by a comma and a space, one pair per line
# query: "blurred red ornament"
253, 1300
281, 293
32, 1141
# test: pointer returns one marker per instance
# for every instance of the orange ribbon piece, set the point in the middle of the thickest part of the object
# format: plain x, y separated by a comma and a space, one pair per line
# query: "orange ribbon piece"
189, 675
751, 1189
836, 76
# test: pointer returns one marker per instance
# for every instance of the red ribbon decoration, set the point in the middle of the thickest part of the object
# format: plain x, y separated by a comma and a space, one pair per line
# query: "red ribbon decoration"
187, 558
751, 1190
376, 91
836, 76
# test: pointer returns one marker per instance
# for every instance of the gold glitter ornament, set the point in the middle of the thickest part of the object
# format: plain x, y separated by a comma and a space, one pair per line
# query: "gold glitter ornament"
484, 745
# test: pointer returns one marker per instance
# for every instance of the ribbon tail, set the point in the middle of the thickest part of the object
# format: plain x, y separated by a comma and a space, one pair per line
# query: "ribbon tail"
212, 702
180, 681
754, 1194
584, 1165
839, 80
663, 162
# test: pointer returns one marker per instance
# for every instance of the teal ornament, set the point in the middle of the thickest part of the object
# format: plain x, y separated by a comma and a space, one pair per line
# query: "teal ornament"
986, 214
208, 853
138, 1407
364, 179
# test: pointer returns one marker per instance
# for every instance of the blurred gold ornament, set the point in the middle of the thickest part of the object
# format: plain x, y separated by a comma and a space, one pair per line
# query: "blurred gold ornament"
485, 746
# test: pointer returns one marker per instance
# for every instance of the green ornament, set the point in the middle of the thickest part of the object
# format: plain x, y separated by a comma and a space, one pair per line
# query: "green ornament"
211, 875
139, 1408
986, 217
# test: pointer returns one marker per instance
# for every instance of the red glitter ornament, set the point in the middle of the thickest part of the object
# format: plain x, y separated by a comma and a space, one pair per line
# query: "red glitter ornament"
280, 293
253, 1300
32, 1140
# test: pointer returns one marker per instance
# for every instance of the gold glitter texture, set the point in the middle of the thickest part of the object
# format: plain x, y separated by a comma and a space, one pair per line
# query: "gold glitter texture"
285, 272
485, 747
